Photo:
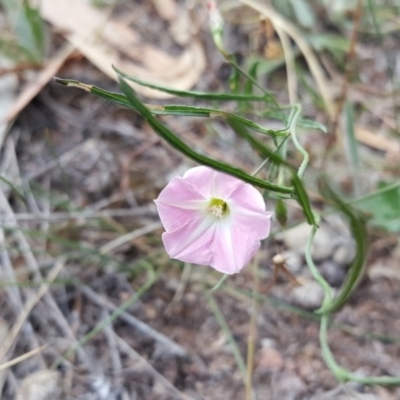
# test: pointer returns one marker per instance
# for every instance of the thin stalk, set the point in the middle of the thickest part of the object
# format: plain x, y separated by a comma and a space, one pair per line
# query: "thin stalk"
228, 334
252, 335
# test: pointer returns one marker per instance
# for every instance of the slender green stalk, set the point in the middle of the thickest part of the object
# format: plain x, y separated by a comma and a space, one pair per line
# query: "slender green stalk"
252, 336
314, 270
228, 334
378, 192
292, 130
219, 283
341, 374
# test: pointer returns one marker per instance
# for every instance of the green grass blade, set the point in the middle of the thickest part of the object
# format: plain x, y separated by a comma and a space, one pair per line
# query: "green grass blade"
178, 110
352, 145
13, 188
28, 27
179, 145
194, 94
359, 232
227, 332
300, 192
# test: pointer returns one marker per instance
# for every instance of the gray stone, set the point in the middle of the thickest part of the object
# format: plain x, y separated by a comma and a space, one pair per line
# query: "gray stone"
334, 273
344, 253
294, 261
296, 238
309, 295
324, 243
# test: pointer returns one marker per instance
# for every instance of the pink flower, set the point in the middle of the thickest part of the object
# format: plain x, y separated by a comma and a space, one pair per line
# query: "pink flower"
212, 219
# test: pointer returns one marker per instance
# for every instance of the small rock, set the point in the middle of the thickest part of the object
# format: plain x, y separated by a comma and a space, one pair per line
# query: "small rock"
324, 243
293, 261
333, 273
309, 295
295, 239
337, 224
269, 360
344, 254
41, 385
289, 386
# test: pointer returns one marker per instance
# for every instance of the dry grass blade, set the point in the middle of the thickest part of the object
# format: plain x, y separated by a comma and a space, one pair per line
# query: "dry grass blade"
24, 357
290, 65
121, 240
139, 360
168, 345
40, 80
281, 23
29, 306
107, 42
33, 267
145, 211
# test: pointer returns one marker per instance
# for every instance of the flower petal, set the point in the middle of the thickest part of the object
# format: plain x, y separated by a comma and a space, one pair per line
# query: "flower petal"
192, 241
194, 235
232, 248
178, 203
247, 197
212, 183
256, 222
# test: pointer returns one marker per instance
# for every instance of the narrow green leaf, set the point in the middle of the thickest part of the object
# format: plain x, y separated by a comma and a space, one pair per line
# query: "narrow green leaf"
13, 188
329, 42
304, 13
248, 87
300, 192
179, 145
28, 27
234, 79
186, 111
358, 229
194, 94
383, 206
261, 149
352, 145
309, 124
353, 156
303, 199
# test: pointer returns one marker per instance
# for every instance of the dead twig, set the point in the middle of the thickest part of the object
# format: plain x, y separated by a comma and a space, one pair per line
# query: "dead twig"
168, 345
25, 356
145, 211
29, 306
348, 70
280, 22
121, 240
139, 360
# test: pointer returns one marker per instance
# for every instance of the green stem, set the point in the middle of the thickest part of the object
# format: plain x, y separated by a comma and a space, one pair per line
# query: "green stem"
225, 328
343, 374
374, 194
313, 269
219, 283
300, 149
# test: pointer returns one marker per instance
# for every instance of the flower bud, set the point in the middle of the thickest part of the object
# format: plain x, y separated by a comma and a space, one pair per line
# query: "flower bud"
281, 212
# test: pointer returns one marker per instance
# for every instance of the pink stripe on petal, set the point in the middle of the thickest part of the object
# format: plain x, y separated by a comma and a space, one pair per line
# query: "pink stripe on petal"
257, 223
212, 183
191, 242
201, 178
178, 203
247, 197
233, 248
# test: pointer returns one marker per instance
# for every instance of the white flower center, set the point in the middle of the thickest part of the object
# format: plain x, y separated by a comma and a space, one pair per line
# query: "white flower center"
218, 208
